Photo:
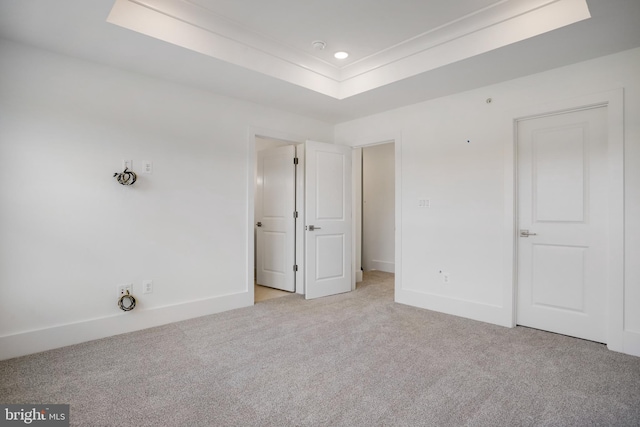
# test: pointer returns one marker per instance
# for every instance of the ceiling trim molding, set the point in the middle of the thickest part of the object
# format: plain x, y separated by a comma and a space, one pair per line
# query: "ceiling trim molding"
471, 24
186, 24
133, 15
207, 20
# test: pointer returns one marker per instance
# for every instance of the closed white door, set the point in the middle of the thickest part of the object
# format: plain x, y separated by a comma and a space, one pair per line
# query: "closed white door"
275, 222
327, 219
562, 217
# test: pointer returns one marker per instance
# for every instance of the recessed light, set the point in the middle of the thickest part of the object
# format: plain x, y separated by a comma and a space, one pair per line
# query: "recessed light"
341, 55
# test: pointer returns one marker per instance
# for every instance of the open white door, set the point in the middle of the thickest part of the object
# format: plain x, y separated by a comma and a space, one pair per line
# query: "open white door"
327, 219
275, 221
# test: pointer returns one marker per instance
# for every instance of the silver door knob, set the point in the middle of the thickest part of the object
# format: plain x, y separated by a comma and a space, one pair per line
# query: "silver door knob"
525, 233
313, 227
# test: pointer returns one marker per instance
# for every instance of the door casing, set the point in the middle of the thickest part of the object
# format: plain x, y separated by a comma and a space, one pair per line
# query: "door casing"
280, 159
617, 339
252, 133
570, 237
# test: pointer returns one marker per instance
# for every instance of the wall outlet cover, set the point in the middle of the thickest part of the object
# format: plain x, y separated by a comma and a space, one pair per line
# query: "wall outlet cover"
147, 166
147, 286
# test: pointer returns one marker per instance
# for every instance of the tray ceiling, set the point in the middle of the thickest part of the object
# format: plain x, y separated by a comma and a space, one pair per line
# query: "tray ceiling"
387, 40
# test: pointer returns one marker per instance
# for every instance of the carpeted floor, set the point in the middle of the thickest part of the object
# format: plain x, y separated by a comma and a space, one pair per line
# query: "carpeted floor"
356, 359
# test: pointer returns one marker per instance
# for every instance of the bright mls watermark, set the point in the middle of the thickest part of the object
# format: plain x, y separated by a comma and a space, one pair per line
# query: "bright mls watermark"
34, 415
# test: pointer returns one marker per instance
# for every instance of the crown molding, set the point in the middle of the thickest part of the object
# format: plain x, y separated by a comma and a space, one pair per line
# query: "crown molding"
192, 26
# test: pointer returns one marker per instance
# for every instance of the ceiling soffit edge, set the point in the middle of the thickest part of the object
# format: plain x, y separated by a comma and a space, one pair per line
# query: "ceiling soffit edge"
199, 29
471, 24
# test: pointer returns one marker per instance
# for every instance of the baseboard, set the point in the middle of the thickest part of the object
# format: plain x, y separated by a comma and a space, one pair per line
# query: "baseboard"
30, 342
469, 309
385, 266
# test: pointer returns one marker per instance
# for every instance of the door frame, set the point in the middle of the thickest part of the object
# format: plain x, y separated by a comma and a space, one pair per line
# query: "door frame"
252, 133
396, 139
295, 140
617, 339
285, 153
358, 207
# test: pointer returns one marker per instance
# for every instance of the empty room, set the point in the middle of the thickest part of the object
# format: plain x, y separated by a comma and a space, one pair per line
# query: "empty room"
306, 213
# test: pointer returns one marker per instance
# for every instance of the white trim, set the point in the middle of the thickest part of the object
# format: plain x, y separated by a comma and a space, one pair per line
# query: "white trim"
356, 191
398, 248
386, 266
396, 139
35, 341
618, 339
201, 30
454, 306
300, 234
252, 134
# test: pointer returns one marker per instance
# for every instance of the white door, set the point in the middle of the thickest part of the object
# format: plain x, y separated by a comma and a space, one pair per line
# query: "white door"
275, 222
562, 216
327, 219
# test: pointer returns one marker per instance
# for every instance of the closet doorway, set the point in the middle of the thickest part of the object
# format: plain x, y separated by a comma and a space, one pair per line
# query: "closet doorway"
375, 233
274, 232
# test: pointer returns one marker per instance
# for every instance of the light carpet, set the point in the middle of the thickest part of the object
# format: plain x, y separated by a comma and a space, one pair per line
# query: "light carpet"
355, 359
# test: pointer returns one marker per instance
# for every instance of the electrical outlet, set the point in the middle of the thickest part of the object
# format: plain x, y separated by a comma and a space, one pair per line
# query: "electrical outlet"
147, 166
147, 286
122, 289
127, 164
446, 279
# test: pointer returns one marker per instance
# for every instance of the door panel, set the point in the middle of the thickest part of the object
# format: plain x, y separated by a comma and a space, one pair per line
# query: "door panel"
558, 277
329, 256
328, 210
330, 186
275, 204
562, 269
273, 252
559, 173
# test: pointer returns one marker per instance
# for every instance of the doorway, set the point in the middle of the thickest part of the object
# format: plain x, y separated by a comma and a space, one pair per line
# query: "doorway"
375, 208
332, 158
274, 229
563, 223
303, 223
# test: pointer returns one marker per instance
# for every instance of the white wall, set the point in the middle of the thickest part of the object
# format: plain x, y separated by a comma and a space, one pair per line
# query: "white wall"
467, 231
378, 209
70, 233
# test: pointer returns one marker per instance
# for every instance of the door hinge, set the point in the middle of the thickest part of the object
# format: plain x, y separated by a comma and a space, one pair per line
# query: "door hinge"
295, 214
295, 267
295, 160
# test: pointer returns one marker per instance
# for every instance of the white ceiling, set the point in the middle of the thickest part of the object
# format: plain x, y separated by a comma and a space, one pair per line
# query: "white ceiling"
363, 27
280, 47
